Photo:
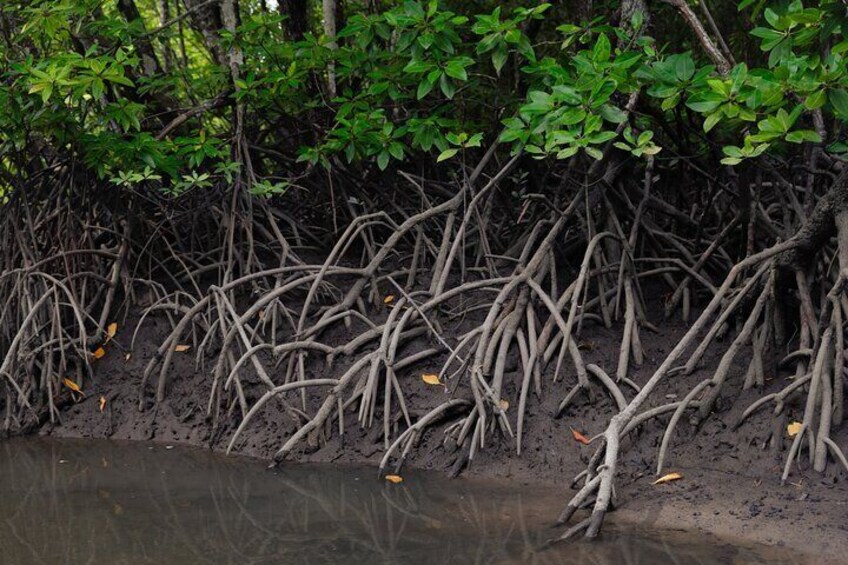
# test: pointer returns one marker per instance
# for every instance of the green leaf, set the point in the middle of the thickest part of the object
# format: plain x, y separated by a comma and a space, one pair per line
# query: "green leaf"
383, 160
711, 121
424, 88
499, 57
684, 67
396, 150
601, 51
448, 88
613, 114
800, 136
567, 152
705, 102
447, 154
816, 100
454, 69
670, 103
416, 67
595, 153
637, 20
839, 99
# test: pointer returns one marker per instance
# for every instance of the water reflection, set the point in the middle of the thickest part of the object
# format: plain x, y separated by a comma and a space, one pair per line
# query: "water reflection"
100, 502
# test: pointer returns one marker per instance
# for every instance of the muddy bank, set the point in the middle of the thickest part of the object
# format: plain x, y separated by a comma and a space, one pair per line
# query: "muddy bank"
730, 483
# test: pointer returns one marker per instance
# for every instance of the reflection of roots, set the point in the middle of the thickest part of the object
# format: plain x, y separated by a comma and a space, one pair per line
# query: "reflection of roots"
201, 509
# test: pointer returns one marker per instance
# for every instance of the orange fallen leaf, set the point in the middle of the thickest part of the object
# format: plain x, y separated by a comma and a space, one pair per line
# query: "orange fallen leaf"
102, 403
389, 299
73, 386
504, 404
111, 330
99, 353
793, 429
182, 348
431, 379
668, 478
579, 438
394, 479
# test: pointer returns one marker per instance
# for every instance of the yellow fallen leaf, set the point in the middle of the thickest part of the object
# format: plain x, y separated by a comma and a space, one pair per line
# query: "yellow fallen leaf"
389, 299
394, 479
99, 353
102, 403
73, 386
182, 348
431, 379
111, 330
579, 438
504, 404
668, 478
793, 429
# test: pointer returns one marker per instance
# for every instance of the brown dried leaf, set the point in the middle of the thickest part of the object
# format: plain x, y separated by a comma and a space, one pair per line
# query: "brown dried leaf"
580, 438
431, 379
668, 478
394, 479
99, 353
504, 404
73, 386
102, 403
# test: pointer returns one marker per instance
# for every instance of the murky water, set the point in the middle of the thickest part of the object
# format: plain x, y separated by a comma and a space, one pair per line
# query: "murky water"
103, 503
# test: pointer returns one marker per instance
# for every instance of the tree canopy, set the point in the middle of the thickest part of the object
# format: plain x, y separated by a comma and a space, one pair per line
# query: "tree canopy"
150, 91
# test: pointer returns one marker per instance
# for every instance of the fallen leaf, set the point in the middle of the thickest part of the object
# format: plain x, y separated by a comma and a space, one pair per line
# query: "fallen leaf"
182, 348
389, 299
504, 405
102, 403
111, 330
431, 379
73, 386
99, 353
793, 429
578, 437
128, 356
394, 479
668, 478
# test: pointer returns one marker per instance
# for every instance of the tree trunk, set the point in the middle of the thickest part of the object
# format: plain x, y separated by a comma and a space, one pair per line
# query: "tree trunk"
297, 17
329, 7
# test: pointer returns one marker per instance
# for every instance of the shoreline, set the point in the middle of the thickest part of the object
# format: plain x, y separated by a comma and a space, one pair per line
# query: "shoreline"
494, 501
730, 485
672, 511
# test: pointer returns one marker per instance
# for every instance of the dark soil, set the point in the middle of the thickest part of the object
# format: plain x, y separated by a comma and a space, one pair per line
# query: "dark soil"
731, 478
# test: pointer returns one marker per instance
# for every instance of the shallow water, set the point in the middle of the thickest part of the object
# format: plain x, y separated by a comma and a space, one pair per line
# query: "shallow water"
100, 502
